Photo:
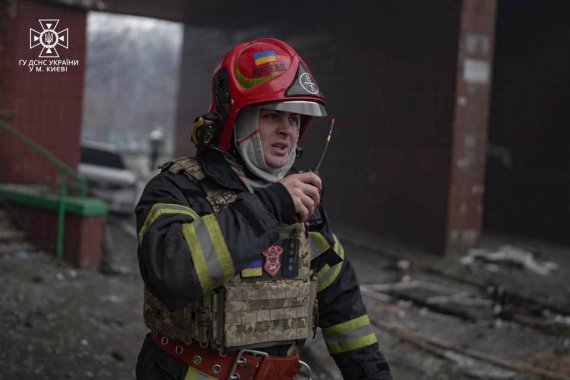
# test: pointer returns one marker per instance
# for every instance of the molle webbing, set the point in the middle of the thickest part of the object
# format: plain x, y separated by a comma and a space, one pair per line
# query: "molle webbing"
179, 324
268, 312
197, 322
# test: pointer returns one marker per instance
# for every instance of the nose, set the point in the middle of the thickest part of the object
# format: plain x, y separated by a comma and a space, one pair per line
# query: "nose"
286, 126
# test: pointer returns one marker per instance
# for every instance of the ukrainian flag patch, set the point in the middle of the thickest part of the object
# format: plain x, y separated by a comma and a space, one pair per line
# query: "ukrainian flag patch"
264, 57
253, 270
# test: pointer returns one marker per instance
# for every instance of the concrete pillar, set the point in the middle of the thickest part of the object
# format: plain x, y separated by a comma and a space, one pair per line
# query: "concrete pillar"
470, 124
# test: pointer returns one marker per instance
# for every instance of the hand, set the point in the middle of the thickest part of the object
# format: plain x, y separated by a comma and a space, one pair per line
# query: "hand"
305, 190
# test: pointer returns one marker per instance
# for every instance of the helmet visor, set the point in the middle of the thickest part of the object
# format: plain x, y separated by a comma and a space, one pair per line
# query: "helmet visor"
302, 107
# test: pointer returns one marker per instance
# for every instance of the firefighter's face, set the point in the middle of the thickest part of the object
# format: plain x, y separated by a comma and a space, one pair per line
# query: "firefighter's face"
279, 132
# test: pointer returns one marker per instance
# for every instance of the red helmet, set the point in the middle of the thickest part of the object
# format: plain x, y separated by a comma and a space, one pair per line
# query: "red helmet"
265, 70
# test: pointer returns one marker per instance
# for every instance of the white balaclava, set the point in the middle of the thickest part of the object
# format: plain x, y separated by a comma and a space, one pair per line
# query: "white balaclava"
248, 142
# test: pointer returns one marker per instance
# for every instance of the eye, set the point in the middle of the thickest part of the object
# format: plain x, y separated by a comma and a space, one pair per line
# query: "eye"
295, 119
271, 115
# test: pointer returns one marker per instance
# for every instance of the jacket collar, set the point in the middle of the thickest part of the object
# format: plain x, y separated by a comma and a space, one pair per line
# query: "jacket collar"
218, 169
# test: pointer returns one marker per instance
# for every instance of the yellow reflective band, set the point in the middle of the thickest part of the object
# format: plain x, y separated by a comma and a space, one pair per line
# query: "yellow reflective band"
349, 335
337, 247
220, 246
323, 271
159, 209
328, 277
344, 327
366, 340
194, 374
320, 240
197, 255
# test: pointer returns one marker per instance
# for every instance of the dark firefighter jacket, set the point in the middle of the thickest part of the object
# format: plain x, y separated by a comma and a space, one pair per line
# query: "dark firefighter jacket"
247, 226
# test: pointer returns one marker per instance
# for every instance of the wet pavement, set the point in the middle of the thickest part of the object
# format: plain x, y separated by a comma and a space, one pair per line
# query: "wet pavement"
435, 317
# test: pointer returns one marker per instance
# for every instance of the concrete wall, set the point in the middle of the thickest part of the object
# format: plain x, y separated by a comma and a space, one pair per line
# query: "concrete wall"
83, 238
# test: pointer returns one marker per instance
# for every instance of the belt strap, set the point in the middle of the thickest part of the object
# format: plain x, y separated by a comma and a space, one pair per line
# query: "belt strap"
244, 365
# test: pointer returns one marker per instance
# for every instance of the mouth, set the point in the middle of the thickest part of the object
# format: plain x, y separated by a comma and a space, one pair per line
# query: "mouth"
282, 148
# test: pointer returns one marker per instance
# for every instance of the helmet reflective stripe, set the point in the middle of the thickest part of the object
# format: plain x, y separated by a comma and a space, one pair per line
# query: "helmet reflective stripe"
302, 107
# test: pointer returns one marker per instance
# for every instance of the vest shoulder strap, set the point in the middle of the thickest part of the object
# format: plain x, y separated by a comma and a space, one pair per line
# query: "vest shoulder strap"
217, 196
188, 165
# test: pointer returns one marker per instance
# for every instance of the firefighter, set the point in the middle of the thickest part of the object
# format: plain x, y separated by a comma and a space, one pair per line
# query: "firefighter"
239, 263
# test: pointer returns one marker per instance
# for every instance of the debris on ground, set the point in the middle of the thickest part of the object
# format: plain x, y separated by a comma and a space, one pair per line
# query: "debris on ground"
433, 319
511, 255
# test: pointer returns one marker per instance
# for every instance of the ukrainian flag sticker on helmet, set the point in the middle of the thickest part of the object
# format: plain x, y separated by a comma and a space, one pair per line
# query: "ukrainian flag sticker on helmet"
264, 57
260, 63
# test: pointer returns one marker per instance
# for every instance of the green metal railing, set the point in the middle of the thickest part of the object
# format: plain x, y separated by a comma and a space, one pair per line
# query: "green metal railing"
64, 172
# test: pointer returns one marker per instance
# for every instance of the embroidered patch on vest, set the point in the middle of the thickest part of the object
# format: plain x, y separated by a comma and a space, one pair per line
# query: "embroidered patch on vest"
290, 258
253, 269
272, 259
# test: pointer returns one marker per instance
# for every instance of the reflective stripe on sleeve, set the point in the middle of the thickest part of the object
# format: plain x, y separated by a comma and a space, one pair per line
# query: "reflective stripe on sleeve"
337, 247
198, 258
159, 209
327, 275
194, 374
350, 335
222, 251
318, 244
212, 260
208, 249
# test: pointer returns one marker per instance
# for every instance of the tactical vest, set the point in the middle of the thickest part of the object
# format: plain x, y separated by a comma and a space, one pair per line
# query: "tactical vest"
253, 312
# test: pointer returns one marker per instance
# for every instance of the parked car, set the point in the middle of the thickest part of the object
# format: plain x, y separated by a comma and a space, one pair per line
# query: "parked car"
108, 177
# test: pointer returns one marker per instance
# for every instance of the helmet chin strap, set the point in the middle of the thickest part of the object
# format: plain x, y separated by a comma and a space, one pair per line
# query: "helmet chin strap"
249, 146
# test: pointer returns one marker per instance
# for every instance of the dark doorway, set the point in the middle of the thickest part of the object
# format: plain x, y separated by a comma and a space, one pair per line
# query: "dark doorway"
528, 170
